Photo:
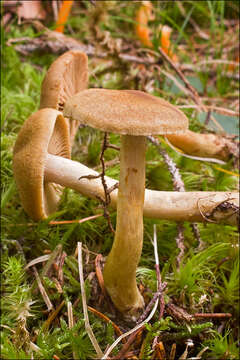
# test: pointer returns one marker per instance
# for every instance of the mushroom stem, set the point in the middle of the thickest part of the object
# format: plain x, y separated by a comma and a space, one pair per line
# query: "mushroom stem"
120, 268
167, 205
204, 145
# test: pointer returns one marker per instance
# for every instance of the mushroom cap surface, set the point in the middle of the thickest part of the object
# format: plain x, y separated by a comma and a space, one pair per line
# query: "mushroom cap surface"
126, 112
45, 131
66, 76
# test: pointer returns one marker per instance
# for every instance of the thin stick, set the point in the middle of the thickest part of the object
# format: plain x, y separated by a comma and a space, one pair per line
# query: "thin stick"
84, 303
217, 61
37, 260
174, 171
99, 274
42, 290
159, 279
60, 268
110, 349
52, 316
70, 315
78, 221
218, 109
106, 318
212, 315
71, 322
178, 185
127, 345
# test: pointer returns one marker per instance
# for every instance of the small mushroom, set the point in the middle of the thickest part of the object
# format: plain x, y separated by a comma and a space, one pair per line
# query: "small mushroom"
133, 114
46, 132
67, 75
205, 145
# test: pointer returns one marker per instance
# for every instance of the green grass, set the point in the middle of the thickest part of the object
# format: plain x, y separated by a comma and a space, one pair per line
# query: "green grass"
207, 280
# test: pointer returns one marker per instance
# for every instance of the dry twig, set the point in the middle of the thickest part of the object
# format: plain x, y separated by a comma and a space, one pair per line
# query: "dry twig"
71, 322
161, 286
52, 316
42, 290
84, 303
106, 318
178, 185
99, 274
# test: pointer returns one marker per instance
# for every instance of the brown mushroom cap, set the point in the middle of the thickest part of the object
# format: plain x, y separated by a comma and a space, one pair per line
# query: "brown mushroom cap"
125, 112
67, 75
45, 131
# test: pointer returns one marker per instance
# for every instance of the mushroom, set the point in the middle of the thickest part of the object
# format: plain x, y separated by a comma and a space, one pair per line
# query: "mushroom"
134, 115
38, 168
204, 145
46, 132
67, 75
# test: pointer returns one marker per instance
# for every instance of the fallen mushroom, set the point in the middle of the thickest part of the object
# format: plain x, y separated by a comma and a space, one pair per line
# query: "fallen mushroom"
205, 145
194, 206
67, 75
37, 169
134, 115
45, 132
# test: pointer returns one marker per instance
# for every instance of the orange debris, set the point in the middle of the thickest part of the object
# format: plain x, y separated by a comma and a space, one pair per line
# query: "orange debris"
165, 41
63, 15
144, 14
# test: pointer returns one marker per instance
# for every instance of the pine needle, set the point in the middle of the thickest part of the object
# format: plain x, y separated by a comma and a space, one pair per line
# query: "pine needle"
106, 318
42, 290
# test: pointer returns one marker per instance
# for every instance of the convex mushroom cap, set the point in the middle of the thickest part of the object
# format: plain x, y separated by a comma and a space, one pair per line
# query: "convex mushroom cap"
125, 112
66, 76
45, 132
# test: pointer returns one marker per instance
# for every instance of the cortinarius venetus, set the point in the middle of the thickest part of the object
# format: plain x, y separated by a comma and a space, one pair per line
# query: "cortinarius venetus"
67, 75
134, 115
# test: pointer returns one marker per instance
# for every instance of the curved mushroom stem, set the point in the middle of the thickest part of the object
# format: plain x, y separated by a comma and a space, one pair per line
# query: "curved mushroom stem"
120, 269
194, 206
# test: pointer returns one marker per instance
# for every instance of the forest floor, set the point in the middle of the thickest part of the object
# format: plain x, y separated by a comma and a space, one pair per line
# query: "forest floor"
42, 308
